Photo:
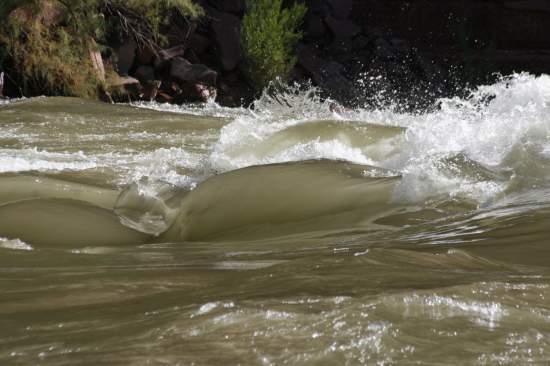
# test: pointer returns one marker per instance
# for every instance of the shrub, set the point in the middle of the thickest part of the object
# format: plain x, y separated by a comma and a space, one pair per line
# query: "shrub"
142, 19
43, 59
55, 60
269, 35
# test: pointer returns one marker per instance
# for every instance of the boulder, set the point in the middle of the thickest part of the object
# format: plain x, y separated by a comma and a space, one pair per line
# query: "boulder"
196, 93
327, 74
126, 55
131, 85
183, 70
151, 90
170, 53
163, 97
227, 39
125, 81
206, 93
198, 43
179, 32
145, 73
342, 28
145, 55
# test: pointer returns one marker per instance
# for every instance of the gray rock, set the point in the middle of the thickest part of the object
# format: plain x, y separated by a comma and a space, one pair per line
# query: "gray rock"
183, 70
227, 38
145, 55
151, 90
126, 55
145, 73
170, 53
199, 44
327, 74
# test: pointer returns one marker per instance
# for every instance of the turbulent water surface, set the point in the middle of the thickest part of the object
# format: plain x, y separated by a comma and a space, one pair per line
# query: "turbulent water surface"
291, 233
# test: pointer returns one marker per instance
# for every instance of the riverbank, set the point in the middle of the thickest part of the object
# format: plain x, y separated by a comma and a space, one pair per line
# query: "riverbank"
359, 53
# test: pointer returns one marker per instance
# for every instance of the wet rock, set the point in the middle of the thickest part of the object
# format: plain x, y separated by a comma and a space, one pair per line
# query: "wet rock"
170, 53
170, 87
227, 39
179, 33
125, 81
199, 44
126, 55
327, 74
206, 93
185, 71
151, 90
105, 96
145, 55
342, 28
163, 97
145, 73
196, 93
131, 85
232, 78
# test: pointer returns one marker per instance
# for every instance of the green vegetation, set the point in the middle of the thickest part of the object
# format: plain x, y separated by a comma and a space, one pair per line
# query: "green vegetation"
54, 59
269, 35
142, 19
45, 59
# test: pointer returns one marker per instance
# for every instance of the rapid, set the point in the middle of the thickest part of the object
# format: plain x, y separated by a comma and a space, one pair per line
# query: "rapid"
296, 232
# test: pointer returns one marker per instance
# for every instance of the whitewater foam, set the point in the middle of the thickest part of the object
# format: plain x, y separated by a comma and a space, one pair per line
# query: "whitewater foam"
485, 127
14, 244
500, 127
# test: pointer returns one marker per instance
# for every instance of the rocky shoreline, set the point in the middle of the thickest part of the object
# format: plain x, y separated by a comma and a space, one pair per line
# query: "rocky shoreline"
357, 52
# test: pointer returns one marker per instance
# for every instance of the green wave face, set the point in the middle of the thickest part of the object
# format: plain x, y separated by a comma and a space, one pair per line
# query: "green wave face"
281, 199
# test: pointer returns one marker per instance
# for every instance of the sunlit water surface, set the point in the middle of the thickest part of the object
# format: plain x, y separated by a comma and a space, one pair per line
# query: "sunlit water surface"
287, 234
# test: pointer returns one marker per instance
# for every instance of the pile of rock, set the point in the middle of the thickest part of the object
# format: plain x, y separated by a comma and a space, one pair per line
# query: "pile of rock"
201, 62
353, 62
164, 75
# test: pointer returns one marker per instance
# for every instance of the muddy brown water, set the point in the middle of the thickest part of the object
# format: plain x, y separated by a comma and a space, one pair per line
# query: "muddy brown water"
201, 235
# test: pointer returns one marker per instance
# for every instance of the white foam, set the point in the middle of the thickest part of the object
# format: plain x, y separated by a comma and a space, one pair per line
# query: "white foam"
485, 127
162, 164
17, 160
14, 244
210, 109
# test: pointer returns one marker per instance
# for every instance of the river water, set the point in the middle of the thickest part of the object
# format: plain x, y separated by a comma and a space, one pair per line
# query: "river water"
287, 234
